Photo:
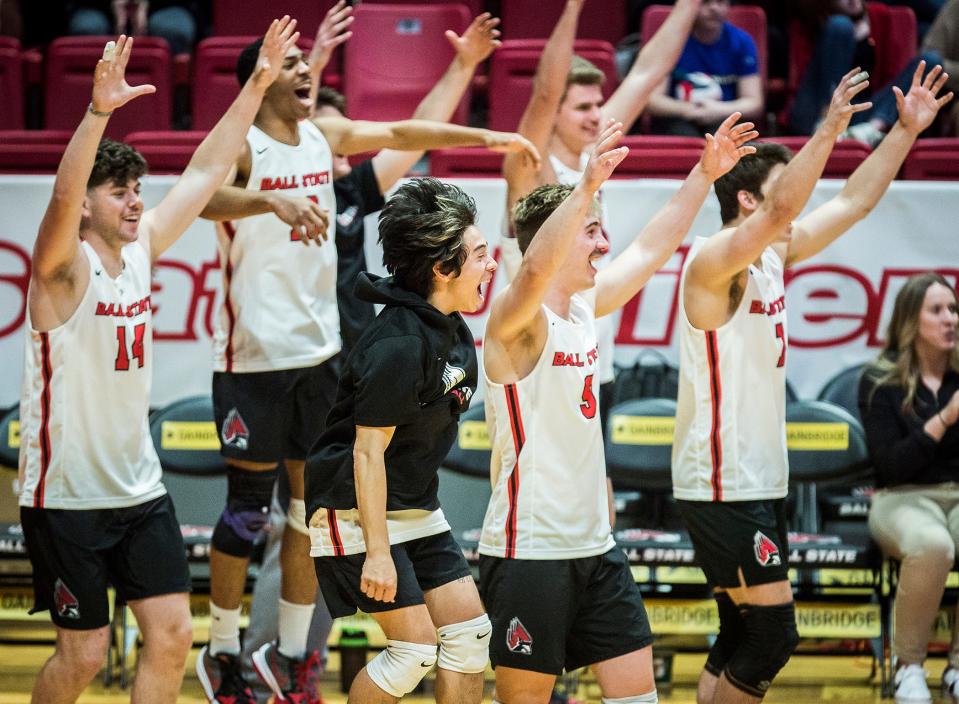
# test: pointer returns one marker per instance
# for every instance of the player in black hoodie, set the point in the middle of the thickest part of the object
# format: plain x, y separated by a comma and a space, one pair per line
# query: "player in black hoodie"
379, 537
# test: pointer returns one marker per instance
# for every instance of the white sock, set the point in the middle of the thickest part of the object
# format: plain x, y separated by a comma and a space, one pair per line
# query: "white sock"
224, 630
294, 628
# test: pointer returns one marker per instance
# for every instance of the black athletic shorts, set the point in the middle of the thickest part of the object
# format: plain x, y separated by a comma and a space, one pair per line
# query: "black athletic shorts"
553, 614
730, 536
76, 555
421, 565
273, 416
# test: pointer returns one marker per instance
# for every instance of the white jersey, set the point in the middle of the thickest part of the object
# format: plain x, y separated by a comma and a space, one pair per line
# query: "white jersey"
730, 442
279, 296
548, 470
605, 328
84, 435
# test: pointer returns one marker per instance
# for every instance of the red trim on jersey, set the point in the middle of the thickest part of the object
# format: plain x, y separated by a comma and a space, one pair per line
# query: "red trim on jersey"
334, 533
227, 301
47, 373
519, 438
716, 398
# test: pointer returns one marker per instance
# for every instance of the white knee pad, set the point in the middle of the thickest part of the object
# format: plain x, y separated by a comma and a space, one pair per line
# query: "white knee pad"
400, 667
648, 698
464, 647
296, 516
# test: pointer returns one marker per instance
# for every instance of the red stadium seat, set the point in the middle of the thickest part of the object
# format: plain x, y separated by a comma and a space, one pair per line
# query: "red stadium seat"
253, 18
749, 18
845, 158
396, 55
32, 151
465, 162
474, 6
166, 152
654, 156
600, 19
69, 81
11, 84
214, 79
513, 66
933, 160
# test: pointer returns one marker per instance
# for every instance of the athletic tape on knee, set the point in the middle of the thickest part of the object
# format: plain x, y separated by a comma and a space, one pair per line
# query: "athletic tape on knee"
400, 667
770, 638
464, 647
296, 516
247, 511
648, 698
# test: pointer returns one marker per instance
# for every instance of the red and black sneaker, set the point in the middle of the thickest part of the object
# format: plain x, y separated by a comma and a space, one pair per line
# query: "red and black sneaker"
292, 680
221, 677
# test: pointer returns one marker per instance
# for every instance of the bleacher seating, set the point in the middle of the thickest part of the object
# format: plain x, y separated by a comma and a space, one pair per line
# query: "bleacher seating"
600, 19
166, 152
11, 84
846, 156
465, 162
396, 55
69, 81
933, 160
255, 18
843, 390
513, 66
32, 151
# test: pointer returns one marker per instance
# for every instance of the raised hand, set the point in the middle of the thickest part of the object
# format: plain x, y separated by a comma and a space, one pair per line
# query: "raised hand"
478, 41
605, 157
333, 31
919, 107
724, 150
110, 87
841, 108
510, 142
279, 39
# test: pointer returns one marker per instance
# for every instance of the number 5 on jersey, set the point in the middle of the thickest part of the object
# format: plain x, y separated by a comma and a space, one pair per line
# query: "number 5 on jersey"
136, 349
589, 405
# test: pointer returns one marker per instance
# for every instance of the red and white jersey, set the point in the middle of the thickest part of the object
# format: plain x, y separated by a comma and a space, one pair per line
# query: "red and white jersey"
279, 295
730, 441
548, 470
84, 435
334, 533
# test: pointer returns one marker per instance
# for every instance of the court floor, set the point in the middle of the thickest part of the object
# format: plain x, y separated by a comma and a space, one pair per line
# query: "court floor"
806, 679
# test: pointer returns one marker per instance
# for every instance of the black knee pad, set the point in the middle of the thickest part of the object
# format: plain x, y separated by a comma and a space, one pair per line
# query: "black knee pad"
732, 631
771, 637
247, 510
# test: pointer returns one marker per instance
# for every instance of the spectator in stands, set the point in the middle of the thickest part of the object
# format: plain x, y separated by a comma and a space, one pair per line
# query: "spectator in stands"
909, 400
943, 39
11, 23
844, 40
717, 74
173, 20
926, 12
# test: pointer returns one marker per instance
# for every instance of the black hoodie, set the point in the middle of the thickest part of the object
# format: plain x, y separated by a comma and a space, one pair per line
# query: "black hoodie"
413, 368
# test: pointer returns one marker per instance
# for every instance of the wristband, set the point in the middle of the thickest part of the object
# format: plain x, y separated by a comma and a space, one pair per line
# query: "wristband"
92, 111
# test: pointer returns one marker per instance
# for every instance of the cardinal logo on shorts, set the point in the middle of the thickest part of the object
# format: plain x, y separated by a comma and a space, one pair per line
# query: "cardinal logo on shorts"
766, 551
66, 604
518, 639
234, 431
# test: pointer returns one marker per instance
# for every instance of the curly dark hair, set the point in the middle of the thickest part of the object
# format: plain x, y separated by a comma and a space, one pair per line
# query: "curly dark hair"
421, 226
748, 175
246, 61
117, 163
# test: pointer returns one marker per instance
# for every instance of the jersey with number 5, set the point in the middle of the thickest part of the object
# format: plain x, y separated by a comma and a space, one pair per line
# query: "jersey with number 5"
84, 435
548, 470
730, 441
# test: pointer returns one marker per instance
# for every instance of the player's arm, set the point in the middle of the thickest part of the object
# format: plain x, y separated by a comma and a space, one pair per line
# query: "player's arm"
57, 258
378, 580
333, 31
661, 237
477, 43
549, 85
725, 255
516, 309
215, 157
357, 136
869, 182
652, 65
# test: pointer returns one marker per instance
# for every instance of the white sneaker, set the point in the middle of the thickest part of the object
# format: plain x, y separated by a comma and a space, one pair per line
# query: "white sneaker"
865, 132
950, 683
910, 685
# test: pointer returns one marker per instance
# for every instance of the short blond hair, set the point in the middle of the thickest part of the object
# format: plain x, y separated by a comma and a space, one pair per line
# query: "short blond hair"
583, 72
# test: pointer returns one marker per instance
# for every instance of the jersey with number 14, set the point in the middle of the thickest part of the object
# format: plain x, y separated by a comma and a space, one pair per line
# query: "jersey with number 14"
548, 469
84, 436
730, 442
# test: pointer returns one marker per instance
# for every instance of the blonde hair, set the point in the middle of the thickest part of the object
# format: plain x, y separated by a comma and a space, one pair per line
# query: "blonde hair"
898, 363
583, 72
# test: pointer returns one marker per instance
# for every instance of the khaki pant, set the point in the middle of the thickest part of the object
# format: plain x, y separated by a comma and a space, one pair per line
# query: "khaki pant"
918, 525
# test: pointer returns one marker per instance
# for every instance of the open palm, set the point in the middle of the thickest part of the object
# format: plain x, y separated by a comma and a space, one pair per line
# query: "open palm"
478, 41
279, 39
110, 87
919, 107
724, 149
